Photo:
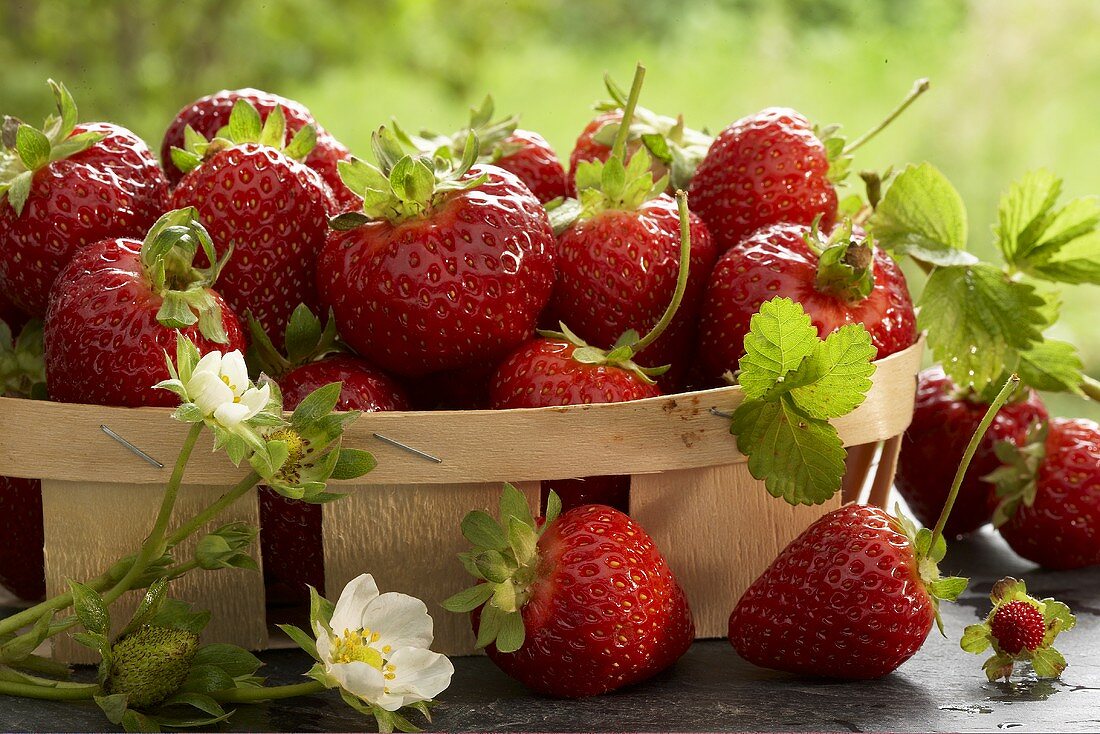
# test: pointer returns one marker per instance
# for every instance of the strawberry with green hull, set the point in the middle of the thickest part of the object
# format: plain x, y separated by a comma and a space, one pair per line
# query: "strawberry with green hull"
256, 198
64, 188
1049, 493
208, 115
839, 281
855, 595
447, 267
116, 310
574, 605
944, 418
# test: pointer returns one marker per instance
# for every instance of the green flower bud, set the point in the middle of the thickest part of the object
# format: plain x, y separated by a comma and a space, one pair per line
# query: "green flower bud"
150, 664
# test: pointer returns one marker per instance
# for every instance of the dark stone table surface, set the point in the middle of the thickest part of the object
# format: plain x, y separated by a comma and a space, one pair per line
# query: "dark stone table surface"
711, 689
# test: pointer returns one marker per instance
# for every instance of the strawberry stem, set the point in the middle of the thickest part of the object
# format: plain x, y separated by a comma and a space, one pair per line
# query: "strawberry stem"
618, 149
971, 449
681, 277
1091, 387
919, 87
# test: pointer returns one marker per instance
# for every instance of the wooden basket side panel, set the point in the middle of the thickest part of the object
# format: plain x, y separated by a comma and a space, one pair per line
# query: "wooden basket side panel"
89, 525
408, 537
718, 528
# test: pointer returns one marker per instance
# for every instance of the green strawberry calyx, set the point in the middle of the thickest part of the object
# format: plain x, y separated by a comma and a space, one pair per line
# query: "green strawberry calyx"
1016, 479
1045, 659
27, 150
406, 185
168, 256
505, 561
244, 126
845, 266
22, 361
306, 340
492, 136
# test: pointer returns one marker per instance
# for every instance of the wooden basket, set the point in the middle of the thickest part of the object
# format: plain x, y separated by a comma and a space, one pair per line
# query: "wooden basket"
690, 489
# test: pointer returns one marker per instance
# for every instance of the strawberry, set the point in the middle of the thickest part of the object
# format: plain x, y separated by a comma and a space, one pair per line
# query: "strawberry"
1049, 492
447, 266
64, 188
675, 150
1020, 627
257, 200
844, 280
855, 595
116, 310
502, 144
576, 605
618, 259
208, 115
944, 418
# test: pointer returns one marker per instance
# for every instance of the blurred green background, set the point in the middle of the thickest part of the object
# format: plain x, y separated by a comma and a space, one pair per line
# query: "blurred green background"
1014, 81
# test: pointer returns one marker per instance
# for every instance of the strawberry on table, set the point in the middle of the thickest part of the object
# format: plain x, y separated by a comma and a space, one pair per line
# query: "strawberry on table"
116, 309
256, 199
1049, 493
573, 605
844, 279
447, 266
63, 188
208, 115
944, 419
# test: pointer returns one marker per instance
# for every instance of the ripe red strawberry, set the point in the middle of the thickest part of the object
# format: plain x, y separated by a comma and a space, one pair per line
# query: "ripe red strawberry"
64, 188
272, 211
844, 280
579, 605
208, 115
117, 306
530, 157
445, 269
1049, 490
944, 418
1017, 626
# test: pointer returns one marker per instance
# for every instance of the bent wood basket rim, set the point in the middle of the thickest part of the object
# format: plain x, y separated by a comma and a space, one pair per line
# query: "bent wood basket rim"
60, 441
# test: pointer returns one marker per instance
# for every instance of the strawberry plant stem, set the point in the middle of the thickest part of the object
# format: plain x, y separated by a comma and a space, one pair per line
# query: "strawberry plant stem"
618, 149
48, 693
192, 525
1090, 387
971, 449
253, 695
681, 277
919, 87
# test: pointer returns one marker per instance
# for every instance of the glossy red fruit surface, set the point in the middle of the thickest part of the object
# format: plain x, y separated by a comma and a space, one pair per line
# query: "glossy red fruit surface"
1018, 625
604, 612
763, 169
21, 569
460, 286
209, 114
536, 164
1061, 530
933, 445
776, 261
273, 212
587, 149
843, 600
363, 386
104, 345
618, 270
113, 189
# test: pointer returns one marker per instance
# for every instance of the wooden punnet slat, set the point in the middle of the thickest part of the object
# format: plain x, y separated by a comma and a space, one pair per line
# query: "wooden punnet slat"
691, 490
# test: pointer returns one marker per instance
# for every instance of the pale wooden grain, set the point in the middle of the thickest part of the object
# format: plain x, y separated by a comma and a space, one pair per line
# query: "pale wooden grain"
718, 529
857, 467
56, 441
407, 536
884, 474
89, 524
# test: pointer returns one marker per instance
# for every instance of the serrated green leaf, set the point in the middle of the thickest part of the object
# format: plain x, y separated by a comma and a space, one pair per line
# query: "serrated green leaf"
780, 337
1048, 662
316, 405
353, 463
235, 661
203, 703
492, 566
843, 370
1023, 212
1075, 262
113, 706
978, 321
1076, 219
32, 146
90, 608
976, 638
134, 721
207, 679
149, 606
922, 215
483, 531
998, 666
1051, 365
469, 599
948, 588
1058, 616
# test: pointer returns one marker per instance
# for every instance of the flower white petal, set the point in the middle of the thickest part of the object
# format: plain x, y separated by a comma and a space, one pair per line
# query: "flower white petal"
419, 675
360, 679
324, 642
355, 597
210, 362
230, 414
400, 621
255, 399
208, 391
233, 367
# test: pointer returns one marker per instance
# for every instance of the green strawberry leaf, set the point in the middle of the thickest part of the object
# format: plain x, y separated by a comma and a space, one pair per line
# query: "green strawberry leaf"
1077, 261
1052, 365
922, 215
976, 638
780, 338
843, 361
978, 321
1048, 662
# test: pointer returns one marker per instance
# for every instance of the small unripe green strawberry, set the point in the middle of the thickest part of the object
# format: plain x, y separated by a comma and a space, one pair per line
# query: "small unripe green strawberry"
150, 664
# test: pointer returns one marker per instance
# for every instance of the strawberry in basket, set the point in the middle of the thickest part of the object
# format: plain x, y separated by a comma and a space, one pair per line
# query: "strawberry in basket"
63, 188
573, 605
117, 306
290, 530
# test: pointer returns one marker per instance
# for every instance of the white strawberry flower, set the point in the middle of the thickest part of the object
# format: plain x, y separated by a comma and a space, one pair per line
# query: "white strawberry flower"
220, 387
375, 647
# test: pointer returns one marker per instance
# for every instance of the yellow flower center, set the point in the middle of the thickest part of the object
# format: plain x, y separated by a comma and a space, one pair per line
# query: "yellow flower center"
290, 471
354, 647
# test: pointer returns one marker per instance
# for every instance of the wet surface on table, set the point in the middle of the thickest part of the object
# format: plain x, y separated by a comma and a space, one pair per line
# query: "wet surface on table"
940, 689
